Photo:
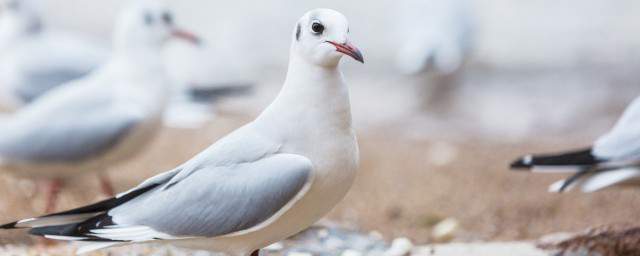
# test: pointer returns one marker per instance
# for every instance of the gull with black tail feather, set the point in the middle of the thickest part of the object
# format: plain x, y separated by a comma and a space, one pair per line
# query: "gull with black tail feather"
614, 159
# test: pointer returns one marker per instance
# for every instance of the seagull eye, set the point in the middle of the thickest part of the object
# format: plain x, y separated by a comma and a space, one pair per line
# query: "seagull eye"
317, 28
167, 18
148, 19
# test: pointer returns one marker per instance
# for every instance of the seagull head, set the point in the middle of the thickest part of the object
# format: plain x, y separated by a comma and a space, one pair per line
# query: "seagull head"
20, 16
148, 24
322, 37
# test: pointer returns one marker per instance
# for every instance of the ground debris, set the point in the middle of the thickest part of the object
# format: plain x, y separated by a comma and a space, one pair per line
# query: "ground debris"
611, 240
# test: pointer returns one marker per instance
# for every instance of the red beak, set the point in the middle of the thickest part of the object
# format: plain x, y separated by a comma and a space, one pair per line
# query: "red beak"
349, 50
186, 35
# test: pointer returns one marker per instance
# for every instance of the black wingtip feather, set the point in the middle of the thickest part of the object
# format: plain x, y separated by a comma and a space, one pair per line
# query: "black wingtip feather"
60, 230
107, 204
80, 230
11, 225
574, 158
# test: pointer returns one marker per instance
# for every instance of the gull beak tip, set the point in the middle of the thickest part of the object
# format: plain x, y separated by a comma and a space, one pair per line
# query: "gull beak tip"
358, 57
349, 50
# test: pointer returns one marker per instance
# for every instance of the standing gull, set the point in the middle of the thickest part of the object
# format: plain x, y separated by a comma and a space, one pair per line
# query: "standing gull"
614, 159
264, 182
89, 124
438, 36
435, 40
35, 58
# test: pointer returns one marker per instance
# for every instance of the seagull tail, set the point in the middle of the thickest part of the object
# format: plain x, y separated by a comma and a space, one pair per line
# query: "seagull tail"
597, 180
605, 179
49, 220
72, 217
575, 160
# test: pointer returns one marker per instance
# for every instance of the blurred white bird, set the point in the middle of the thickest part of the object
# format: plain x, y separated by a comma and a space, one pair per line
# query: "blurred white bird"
202, 77
262, 183
87, 125
437, 35
35, 58
614, 159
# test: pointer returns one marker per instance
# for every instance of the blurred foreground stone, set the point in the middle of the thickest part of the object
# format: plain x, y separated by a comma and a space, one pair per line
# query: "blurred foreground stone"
613, 240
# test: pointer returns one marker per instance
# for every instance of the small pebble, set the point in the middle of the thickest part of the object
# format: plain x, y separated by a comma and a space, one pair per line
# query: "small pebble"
399, 247
376, 235
323, 233
445, 230
442, 153
274, 247
351, 253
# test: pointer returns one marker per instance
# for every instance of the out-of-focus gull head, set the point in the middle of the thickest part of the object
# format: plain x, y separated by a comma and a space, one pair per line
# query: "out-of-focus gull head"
321, 37
148, 24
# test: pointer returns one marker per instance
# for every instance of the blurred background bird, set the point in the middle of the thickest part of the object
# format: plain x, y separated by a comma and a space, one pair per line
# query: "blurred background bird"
614, 158
35, 58
436, 39
87, 125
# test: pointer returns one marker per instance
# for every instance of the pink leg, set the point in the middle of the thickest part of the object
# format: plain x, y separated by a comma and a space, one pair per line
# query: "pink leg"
106, 186
53, 189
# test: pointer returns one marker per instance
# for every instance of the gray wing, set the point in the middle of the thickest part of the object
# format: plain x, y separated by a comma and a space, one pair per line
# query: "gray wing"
67, 127
215, 201
623, 141
38, 82
49, 60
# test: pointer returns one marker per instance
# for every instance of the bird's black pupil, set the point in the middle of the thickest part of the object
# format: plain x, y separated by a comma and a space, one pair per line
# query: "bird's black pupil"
317, 28
167, 18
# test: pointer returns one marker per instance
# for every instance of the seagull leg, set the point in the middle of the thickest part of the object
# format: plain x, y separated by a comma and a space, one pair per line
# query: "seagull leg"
106, 186
53, 189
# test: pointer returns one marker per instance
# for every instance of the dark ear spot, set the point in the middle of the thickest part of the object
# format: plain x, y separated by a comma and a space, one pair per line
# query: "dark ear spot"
298, 30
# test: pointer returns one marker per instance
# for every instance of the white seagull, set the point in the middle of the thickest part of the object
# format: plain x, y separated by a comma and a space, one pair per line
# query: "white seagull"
260, 184
89, 124
614, 159
35, 58
438, 36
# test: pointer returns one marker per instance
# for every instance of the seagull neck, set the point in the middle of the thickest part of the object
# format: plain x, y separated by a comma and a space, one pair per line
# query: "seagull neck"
140, 56
304, 75
313, 93
145, 76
